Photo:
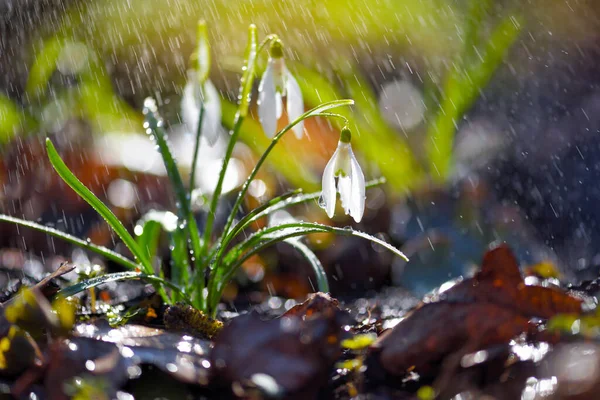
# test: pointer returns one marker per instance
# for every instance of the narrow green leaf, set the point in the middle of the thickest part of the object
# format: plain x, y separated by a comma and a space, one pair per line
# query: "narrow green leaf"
270, 236
180, 266
120, 276
322, 283
281, 202
155, 127
149, 237
71, 180
100, 250
262, 211
196, 150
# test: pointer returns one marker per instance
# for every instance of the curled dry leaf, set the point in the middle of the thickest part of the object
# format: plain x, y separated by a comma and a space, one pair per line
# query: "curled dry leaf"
489, 309
315, 303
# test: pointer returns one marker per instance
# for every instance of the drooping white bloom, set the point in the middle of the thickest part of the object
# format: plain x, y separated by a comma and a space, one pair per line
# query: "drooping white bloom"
193, 96
350, 181
277, 82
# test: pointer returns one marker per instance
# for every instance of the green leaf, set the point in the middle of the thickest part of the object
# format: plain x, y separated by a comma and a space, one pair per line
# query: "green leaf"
120, 276
315, 263
180, 266
100, 250
97, 205
270, 236
154, 127
149, 237
179, 240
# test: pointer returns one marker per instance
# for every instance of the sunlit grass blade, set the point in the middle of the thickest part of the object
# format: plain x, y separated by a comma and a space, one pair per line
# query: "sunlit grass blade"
100, 250
149, 227
197, 284
71, 180
148, 239
284, 231
460, 90
307, 253
252, 215
179, 240
180, 266
120, 276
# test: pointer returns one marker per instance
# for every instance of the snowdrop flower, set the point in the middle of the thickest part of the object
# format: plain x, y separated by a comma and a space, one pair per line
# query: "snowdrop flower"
193, 96
199, 90
278, 82
350, 180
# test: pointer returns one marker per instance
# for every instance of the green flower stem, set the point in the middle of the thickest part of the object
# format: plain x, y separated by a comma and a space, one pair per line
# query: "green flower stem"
196, 150
195, 239
210, 218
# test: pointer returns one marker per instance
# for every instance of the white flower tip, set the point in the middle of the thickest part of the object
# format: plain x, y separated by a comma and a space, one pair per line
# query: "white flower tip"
328, 197
295, 104
299, 130
267, 102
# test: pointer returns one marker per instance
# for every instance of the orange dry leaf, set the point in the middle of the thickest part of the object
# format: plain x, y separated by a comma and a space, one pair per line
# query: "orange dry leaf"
489, 309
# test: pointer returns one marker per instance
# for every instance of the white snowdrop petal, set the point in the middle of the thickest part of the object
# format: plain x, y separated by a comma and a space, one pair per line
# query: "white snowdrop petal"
267, 107
211, 121
295, 103
278, 104
345, 189
190, 109
328, 196
357, 199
